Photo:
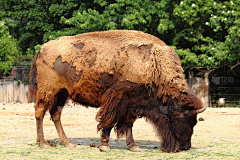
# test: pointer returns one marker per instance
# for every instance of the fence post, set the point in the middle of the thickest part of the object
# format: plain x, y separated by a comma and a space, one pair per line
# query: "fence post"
190, 79
4, 90
200, 87
208, 100
13, 91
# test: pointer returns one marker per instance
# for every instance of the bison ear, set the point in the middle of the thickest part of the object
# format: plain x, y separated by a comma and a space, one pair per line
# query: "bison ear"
191, 104
195, 105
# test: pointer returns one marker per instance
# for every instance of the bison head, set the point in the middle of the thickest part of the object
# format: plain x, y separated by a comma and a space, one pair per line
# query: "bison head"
182, 129
184, 119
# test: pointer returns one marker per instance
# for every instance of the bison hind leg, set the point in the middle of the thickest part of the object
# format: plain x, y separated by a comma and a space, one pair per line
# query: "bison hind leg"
56, 112
124, 127
40, 109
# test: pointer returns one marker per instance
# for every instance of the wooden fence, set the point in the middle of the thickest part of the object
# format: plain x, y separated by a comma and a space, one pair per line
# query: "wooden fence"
13, 91
17, 91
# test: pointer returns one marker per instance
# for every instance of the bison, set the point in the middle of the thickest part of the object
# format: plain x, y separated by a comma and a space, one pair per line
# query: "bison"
128, 74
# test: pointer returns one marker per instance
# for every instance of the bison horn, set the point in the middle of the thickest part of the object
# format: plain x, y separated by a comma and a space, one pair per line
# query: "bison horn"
200, 110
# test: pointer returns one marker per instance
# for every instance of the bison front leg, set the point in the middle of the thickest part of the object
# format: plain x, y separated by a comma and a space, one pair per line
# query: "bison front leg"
105, 136
40, 110
56, 118
129, 139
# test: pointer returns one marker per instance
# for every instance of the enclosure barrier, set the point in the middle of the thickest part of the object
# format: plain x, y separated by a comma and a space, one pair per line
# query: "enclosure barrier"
13, 91
200, 87
18, 91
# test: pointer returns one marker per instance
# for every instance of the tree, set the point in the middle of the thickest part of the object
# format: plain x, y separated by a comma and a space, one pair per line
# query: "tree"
208, 34
96, 15
37, 22
34, 18
8, 49
205, 33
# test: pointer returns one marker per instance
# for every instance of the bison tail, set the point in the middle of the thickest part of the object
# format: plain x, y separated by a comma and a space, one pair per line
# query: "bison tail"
33, 79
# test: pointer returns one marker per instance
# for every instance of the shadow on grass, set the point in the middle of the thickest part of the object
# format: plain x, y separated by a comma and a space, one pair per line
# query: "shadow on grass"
113, 144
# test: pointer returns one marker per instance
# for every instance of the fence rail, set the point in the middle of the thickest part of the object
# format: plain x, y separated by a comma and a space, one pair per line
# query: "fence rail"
13, 91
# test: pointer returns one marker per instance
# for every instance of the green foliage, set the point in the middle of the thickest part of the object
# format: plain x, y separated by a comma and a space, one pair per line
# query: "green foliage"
206, 32
148, 16
8, 49
209, 30
33, 19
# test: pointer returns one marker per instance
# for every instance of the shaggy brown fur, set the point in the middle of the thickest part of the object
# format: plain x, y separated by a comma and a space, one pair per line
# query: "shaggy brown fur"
33, 76
129, 74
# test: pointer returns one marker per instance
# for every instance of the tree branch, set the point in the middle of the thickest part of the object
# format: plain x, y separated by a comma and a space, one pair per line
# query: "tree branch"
206, 74
235, 65
170, 11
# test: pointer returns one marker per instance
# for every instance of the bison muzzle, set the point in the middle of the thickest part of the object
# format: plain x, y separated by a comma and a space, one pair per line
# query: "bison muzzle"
128, 74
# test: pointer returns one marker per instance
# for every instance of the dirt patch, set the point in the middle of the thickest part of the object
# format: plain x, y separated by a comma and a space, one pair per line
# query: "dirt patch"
217, 136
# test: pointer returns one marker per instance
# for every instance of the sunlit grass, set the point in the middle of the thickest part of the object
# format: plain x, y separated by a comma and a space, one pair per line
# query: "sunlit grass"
200, 150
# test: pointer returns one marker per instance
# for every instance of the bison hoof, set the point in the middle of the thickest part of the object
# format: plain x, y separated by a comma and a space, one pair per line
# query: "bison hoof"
104, 148
45, 145
71, 145
134, 149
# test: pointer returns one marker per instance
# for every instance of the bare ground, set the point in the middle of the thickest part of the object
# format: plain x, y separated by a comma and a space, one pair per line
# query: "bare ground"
217, 137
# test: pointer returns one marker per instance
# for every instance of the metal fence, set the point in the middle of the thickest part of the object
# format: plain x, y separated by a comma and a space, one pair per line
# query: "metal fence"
21, 73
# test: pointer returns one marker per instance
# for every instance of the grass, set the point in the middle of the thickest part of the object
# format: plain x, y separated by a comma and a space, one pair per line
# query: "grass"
202, 149
215, 138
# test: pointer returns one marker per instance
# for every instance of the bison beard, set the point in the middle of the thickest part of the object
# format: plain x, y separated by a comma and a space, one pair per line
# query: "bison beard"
128, 74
